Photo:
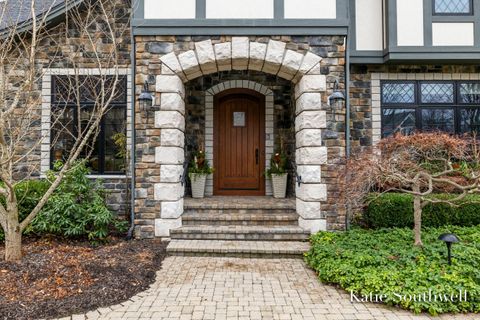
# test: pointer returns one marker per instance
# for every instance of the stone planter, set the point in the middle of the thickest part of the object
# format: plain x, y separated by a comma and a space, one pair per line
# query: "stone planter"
198, 181
279, 183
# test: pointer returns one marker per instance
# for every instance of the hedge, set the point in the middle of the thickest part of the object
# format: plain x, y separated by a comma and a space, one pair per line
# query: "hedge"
395, 210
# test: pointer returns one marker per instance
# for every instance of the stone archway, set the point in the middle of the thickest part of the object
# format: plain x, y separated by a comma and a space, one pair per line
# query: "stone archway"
302, 69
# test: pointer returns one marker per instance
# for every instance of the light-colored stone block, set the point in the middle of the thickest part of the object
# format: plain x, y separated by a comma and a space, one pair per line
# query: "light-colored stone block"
274, 56
257, 55
188, 61
310, 83
163, 226
169, 155
172, 102
171, 173
169, 120
310, 174
172, 138
309, 101
310, 60
171, 210
311, 156
313, 226
223, 55
170, 84
309, 210
311, 120
170, 64
168, 191
309, 138
311, 192
240, 52
206, 56
290, 65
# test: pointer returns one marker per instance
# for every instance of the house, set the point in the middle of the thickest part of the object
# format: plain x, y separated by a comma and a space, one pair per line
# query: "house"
241, 79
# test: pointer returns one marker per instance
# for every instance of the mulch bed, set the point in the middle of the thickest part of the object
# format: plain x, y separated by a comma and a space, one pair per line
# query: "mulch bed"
60, 278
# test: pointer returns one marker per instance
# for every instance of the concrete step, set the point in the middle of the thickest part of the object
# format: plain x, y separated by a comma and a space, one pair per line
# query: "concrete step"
250, 233
240, 219
252, 249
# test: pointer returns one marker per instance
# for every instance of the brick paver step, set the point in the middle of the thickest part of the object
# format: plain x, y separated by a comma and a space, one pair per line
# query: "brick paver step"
265, 233
261, 249
225, 203
242, 219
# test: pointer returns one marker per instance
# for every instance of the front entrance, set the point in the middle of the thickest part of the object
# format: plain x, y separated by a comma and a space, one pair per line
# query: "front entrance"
239, 143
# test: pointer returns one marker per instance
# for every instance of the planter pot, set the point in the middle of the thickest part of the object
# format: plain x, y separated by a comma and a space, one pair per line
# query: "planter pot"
198, 184
279, 183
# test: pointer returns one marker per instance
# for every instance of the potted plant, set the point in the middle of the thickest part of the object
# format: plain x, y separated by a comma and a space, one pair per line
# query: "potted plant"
198, 172
278, 173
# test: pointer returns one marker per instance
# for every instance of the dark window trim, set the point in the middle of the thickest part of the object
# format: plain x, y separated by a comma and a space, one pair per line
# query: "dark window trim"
470, 13
101, 134
457, 106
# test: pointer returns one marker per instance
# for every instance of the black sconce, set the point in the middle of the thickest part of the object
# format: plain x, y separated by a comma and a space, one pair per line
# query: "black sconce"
449, 239
336, 100
146, 98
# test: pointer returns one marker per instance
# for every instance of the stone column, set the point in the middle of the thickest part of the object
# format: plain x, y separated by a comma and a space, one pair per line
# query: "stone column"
170, 155
311, 154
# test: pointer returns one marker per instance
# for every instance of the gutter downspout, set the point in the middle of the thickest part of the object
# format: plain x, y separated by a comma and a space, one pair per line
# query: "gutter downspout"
347, 106
132, 138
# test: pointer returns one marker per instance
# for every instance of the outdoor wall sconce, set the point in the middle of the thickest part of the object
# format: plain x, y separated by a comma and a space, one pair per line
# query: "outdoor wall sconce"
336, 100
146, 98
449, 239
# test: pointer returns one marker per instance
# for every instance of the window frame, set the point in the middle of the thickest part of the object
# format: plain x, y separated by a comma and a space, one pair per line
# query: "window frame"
101, 134
418, 106
470, 13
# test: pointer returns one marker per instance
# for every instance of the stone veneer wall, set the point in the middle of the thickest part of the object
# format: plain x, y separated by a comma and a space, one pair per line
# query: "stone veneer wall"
365, 119
59, 57
189, 58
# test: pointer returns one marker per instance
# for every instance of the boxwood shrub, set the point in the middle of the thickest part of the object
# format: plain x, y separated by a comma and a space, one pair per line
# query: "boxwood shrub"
395, 210
385, 262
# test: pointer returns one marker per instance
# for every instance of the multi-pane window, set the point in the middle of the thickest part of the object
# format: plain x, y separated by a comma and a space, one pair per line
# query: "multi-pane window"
74, 105
455, 7
449, 106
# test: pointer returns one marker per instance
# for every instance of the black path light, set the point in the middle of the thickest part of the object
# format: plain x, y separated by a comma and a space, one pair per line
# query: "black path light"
449, 239
146, 98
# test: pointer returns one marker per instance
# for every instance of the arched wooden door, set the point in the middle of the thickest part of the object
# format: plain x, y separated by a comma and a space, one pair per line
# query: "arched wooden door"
239, 143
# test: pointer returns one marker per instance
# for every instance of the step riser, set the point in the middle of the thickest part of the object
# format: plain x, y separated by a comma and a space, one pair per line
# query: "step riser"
238, 255
240, 222
240, 236
240, 211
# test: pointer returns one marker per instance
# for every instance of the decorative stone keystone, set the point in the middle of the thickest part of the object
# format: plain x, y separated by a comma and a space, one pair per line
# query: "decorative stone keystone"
240, 53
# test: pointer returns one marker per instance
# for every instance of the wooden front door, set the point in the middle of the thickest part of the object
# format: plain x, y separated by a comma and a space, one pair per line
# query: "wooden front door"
239, 143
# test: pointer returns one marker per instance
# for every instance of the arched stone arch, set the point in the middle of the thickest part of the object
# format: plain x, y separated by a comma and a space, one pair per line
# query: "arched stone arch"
269, 126
302, 69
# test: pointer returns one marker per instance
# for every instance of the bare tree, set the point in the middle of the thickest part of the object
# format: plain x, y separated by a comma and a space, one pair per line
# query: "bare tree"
92, 37
421, 165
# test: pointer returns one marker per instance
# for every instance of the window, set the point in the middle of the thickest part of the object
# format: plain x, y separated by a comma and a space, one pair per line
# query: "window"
449, 106
452, 7
73, 105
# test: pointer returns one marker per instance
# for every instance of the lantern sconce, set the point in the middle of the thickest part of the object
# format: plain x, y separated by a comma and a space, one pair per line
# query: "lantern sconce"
336, 100
146, 98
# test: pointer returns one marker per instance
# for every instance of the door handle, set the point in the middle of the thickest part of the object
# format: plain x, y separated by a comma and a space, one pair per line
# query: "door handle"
256, 156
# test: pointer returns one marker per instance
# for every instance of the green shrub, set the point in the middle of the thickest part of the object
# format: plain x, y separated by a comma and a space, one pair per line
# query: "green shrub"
76, 209
385, 262
395, 210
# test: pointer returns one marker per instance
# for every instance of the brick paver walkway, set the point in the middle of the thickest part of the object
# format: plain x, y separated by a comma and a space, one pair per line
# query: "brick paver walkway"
236, 288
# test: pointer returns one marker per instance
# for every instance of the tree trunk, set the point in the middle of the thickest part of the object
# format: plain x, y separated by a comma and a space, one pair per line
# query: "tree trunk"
417, 218
13, 242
